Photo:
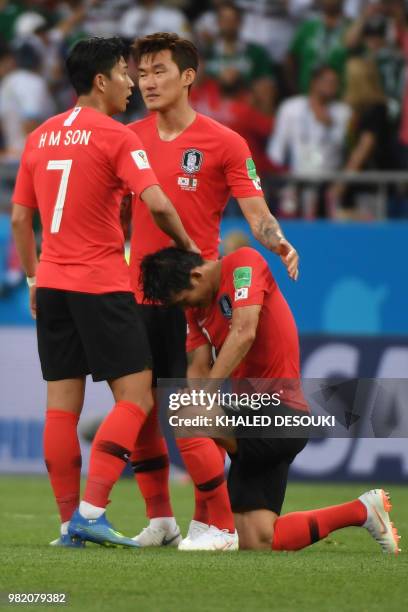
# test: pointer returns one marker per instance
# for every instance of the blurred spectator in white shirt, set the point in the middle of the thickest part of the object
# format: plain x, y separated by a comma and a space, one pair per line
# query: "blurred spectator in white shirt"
149, 16
272, 23
310, 131
25, 101
310, 138
103, 16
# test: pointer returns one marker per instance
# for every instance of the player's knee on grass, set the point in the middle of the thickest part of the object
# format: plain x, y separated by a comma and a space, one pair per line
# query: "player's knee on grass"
135, 388
255, 529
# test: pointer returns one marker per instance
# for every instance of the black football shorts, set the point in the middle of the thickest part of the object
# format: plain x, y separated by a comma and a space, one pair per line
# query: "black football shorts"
84, 333
166, 330
259, 470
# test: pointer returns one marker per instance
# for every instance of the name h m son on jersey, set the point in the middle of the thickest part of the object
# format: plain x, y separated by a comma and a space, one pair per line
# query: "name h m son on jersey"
70, 137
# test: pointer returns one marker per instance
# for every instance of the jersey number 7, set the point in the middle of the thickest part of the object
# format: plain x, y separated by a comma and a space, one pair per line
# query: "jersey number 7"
65, 166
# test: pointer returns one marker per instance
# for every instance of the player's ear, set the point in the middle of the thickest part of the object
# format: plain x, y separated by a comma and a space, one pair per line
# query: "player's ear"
100, 82
195, 276
189, 76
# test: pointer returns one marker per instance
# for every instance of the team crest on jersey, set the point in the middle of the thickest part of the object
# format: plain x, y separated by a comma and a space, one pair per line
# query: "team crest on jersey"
191, 160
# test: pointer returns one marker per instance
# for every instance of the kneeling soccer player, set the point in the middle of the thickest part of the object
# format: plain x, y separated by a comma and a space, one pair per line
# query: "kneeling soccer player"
236, 311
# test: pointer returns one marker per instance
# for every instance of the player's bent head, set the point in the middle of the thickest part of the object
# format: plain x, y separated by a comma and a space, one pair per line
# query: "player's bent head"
91, 57
168, 273
182, 52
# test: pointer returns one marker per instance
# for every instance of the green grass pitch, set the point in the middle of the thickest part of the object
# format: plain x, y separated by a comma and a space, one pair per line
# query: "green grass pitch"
345, 572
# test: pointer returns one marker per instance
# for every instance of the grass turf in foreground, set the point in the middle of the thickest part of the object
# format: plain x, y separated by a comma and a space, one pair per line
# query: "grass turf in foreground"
345, 572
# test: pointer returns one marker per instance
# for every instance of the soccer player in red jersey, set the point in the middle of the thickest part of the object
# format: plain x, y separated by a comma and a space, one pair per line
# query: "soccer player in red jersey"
201, 164
75, 169
241, 327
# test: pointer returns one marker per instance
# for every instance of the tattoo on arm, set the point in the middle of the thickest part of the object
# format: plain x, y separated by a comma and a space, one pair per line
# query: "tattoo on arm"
268, 232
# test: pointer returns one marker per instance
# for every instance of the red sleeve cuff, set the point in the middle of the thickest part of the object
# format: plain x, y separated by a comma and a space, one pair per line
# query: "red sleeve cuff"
253, 300
146, 184
26, 204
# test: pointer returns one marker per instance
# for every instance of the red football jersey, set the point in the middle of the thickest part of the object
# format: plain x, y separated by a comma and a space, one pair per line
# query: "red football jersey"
246, 281
75, 168
199, 170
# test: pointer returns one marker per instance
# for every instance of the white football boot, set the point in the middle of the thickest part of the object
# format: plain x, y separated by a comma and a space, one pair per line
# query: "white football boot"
195, 529
378, 522
211, 539
157, 534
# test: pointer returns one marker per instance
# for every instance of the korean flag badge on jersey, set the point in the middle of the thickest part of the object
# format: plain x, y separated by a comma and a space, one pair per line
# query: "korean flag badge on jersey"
140, 159
242, 278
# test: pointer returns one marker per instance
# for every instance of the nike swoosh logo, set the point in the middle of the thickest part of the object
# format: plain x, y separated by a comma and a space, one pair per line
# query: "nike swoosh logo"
384, 528
166, 542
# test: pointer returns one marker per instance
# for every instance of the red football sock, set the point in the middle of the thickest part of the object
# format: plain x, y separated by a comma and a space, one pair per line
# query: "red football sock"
150, 463
62, 455
299, 529
111, 449
206, 467
200, 506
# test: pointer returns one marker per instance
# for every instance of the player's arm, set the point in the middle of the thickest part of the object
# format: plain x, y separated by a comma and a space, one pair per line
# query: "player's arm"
266, 229
130, 163
166, 217
245, 186
126, 214
199, 362
22, 226
242, 334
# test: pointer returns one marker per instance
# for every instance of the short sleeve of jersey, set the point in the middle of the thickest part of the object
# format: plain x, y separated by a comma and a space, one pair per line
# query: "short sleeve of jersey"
24, 193
130, 162
195, 336
239, 167
250, 278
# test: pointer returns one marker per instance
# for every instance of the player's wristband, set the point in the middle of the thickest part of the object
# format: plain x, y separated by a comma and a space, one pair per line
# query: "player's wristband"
31, 281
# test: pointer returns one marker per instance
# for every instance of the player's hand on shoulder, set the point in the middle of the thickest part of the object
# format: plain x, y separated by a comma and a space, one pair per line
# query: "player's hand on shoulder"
289, 257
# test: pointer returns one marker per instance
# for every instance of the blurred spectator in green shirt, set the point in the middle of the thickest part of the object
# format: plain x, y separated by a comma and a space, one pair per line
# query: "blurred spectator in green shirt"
9, 11
229, 51
318, 41
389, 61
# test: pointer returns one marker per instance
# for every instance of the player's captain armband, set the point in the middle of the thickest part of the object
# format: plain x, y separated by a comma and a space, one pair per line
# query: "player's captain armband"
242, 277
140, 159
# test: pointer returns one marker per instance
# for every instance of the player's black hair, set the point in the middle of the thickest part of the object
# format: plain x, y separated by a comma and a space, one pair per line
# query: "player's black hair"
165, 273
183, 52
90, 57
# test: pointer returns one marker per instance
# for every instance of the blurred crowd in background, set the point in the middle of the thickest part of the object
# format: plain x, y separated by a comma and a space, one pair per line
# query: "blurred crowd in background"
317, 88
